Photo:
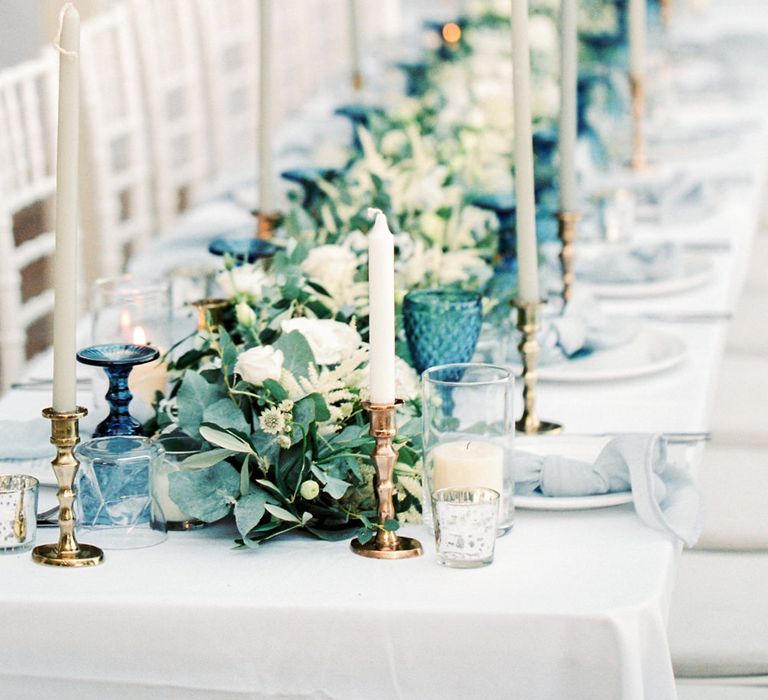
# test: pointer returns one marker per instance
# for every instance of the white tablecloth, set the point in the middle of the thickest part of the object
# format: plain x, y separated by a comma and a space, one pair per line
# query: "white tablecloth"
574, 607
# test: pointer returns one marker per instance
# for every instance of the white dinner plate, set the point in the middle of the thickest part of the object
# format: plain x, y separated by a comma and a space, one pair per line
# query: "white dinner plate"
697, 270
577, 447
649, 352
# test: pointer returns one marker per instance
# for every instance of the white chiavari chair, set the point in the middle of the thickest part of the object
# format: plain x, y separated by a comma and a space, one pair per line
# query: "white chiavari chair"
172, 75
229, 43
27, 190
117, 208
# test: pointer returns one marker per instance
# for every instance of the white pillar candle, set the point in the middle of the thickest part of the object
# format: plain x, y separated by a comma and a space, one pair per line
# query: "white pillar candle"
354, 43
568, 129
637, 24
65, 259
381, 293
463, 463
527, 253
266, 200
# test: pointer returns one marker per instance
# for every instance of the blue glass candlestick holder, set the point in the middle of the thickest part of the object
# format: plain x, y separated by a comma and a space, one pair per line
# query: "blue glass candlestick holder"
359, 115
308, 178
242, 250
117, 360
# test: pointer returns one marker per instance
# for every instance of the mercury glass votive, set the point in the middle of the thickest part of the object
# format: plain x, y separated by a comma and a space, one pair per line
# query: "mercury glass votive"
441, 325
465, 526
468, 433
18, 512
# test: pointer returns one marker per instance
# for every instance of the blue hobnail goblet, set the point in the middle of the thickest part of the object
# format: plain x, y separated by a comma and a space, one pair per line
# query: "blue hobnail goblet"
441, 326
117, 360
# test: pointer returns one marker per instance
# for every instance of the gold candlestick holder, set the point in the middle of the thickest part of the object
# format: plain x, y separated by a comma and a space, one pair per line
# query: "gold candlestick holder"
357, 81
213, 306
386, 544
266, 224
66, 552
639, 157
666, 9
566, 229
528, 325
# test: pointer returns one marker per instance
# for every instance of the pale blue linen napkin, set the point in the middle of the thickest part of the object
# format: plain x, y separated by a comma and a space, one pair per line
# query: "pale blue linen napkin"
633, 265
28, 439
664, 495
581, 328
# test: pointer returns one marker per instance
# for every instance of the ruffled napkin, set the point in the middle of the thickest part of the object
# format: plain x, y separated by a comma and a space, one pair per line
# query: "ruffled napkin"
665, 497
581, 329
637, 264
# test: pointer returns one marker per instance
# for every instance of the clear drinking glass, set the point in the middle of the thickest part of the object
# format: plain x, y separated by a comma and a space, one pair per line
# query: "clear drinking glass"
130, 309
116, 505
18, 512
469, 434
465, 526
176, 449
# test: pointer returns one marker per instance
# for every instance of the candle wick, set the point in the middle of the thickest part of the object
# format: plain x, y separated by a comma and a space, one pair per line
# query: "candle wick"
468, 444
57, 44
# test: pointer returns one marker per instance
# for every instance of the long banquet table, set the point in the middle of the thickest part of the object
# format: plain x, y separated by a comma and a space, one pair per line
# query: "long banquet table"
575, 605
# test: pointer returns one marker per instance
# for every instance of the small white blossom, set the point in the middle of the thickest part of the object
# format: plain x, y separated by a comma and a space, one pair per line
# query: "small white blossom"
284, 441
272, 421
309, 490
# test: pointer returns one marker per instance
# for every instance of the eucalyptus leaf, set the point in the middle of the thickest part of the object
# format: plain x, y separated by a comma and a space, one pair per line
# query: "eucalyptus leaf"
276, 389
205, 494
227, 414
225, 439
249, 510
228, 352
296, 353
206, 459
281, 513
194, 395
391, 524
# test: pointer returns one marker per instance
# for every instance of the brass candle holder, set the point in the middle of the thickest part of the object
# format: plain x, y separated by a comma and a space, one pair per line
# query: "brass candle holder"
357, 81
566, 229
66, 552
666, 8
528, 325
639, 157
213, 306
386, 544
266, 224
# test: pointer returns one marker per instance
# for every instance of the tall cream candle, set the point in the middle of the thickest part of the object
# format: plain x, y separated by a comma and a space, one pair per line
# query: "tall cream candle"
381, 292
266, 196
568, 129
65, 259
354, 44
637, 27
527, 254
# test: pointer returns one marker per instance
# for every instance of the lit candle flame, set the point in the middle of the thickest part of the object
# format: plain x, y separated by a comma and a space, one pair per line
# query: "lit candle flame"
451, 32
139, 336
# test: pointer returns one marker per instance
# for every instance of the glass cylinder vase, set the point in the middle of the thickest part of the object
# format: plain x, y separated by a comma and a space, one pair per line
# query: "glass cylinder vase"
468, 433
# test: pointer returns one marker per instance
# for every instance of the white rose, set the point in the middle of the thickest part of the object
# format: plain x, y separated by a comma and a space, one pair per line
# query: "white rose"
245, 315
259, 364
329, 262
246, 279
542, 34
330, 341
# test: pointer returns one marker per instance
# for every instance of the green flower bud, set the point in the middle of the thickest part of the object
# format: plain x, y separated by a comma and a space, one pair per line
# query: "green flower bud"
309, 490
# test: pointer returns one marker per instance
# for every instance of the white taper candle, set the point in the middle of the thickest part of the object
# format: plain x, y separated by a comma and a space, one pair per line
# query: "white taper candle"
65, 259
637, 26
266, 199
527, 254
354, 44
568, 129
381, 294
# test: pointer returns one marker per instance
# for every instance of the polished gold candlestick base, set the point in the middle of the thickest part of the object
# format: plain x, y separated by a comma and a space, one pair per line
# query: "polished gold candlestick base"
210, 312
386, 544
639, 157
528, 325
266, 224
566, 228
67, 552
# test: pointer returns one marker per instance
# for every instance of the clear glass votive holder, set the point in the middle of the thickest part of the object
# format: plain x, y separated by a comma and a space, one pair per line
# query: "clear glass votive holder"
465, 526
18, 512
468, 431
116, 507
176, 449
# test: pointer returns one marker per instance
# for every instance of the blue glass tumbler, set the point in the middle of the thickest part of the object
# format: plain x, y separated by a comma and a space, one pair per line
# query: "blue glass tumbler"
441, 326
